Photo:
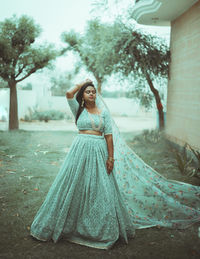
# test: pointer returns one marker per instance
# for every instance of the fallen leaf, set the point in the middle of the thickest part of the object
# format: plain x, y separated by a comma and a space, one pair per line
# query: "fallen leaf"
36, 189
24, 191
11, 172
66, 149
194, 252
54, 163
11, 156
152, 243
28, 176
158, 227
44, 152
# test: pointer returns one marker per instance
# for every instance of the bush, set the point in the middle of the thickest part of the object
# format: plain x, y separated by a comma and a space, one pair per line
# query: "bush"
185, 161
45, 115
27, 118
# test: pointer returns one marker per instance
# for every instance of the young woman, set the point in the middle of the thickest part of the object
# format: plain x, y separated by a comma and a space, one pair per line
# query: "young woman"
103, 190
84, 203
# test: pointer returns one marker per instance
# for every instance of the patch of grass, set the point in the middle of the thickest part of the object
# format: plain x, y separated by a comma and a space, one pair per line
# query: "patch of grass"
156, 150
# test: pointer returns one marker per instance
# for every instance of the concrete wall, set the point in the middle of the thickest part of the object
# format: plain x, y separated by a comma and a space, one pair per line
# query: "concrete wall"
183, 103
28, 99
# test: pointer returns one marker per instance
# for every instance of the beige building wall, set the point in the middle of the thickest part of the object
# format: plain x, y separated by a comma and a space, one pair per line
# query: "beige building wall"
183, 103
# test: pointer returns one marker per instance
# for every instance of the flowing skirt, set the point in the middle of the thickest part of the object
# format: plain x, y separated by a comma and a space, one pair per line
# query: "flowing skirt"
92, 208
84, 203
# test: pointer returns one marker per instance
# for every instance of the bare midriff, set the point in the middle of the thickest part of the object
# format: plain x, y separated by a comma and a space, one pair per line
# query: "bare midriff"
93, 132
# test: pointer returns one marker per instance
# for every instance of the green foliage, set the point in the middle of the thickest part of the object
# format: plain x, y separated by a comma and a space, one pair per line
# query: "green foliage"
152, 136
196, 153
140, 90
61, 83
113, 94
3, 83
140, 53
185, 163
19, 55
143, 94
74, 41
28, 86
94, 48
27, 118
45, 115
110, 48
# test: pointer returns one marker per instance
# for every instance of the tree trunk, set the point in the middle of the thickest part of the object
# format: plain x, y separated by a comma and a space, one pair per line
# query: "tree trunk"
13, 110
99, 84
158, 102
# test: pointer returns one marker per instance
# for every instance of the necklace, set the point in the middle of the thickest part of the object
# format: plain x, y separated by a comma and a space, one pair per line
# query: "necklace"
92, 121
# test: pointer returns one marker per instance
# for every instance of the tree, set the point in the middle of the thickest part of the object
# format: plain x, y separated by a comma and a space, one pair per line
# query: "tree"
93, 49
60, 84
109, 48
20, 57
144, 56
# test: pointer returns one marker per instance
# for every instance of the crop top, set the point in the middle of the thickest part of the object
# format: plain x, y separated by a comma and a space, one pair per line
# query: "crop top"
84, 121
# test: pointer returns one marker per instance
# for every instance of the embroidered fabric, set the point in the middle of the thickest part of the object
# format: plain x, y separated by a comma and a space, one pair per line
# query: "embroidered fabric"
151, 198
84, 204
84, 121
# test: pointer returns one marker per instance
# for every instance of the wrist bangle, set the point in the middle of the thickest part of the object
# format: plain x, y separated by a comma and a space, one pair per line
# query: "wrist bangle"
110, 158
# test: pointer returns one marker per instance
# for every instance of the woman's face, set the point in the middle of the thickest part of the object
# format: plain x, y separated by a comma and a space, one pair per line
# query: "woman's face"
89, 95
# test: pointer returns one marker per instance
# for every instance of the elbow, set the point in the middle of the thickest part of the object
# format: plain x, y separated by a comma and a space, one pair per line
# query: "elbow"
69, 95
109, 138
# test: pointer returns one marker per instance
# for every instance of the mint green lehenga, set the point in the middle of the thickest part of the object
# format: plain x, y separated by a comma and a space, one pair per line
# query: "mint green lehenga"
88, 206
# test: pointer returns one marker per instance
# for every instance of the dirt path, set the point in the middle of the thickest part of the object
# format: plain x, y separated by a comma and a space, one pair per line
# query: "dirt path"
29, 162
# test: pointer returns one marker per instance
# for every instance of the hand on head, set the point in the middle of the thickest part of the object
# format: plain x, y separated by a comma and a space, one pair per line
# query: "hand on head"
87, 80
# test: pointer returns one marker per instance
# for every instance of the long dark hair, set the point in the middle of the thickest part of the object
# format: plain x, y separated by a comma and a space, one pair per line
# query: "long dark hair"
79, 97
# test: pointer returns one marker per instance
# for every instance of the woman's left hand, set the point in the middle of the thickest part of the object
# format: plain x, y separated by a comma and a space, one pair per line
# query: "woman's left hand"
109, 166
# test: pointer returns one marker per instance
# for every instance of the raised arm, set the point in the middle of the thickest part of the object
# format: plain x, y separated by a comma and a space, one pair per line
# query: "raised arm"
70, 93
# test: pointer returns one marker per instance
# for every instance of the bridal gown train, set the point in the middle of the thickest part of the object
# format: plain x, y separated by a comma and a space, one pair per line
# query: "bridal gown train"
88, 206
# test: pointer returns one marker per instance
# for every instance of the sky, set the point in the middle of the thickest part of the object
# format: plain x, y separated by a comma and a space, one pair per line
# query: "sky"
54, 16
57, 16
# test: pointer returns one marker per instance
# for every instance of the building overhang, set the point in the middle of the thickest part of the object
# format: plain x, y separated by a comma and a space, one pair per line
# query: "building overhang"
159, 12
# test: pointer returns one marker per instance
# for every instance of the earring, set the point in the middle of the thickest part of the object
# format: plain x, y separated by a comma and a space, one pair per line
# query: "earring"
82, 104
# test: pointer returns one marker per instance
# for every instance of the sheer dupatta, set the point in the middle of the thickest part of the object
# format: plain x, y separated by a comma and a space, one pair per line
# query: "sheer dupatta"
151, 198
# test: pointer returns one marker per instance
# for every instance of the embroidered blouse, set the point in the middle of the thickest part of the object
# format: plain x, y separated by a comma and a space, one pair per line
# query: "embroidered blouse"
84, 121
